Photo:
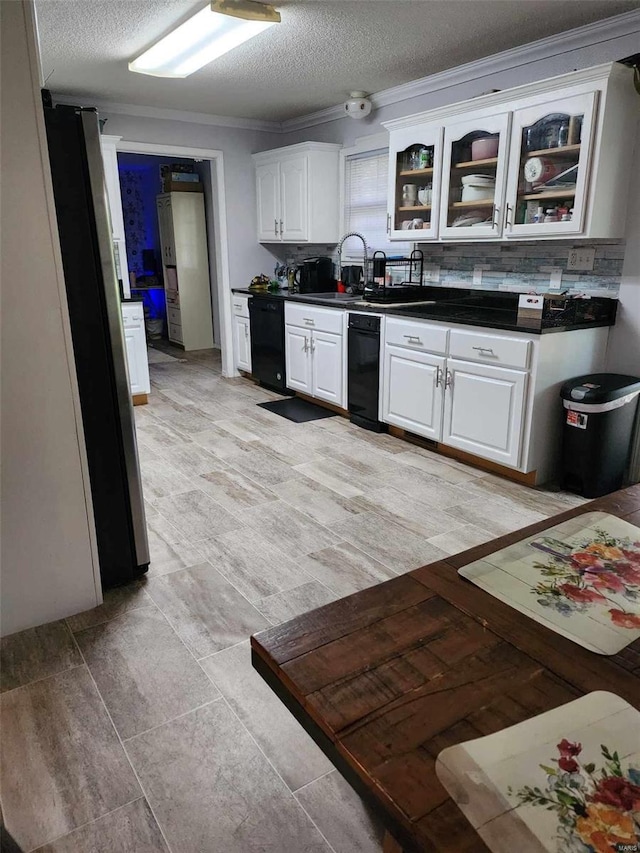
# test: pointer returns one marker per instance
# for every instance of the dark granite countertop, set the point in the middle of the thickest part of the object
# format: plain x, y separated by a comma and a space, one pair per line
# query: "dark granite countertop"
465, 307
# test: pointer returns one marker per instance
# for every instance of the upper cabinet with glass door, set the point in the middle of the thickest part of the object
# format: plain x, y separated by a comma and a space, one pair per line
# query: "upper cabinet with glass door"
545, 160
474, 168
549, 171
415, 164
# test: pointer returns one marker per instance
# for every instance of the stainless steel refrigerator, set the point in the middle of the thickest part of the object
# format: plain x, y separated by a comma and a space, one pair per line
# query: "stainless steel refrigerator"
93, 296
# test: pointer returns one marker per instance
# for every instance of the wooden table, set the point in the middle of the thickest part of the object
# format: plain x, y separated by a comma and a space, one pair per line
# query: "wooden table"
385, 679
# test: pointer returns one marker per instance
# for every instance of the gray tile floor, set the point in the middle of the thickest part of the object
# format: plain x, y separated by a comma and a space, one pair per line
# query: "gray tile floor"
141, 725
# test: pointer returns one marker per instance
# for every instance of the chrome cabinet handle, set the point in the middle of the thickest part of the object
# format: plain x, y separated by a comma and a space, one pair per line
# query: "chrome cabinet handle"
309, 321
388, 223
507, 223
438, 377
413, 339
281, 228
275, 227
496, 216
448, 381
313, 345
246, 331
482, 350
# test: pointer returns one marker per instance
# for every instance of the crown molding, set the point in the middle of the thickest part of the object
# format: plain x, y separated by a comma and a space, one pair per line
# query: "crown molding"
598, 32
171, 115
565, 42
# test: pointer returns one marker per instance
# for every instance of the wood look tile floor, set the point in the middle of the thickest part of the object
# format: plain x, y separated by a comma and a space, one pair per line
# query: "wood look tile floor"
141, 725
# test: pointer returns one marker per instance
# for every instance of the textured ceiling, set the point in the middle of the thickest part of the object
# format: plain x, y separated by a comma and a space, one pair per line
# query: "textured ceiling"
320, 51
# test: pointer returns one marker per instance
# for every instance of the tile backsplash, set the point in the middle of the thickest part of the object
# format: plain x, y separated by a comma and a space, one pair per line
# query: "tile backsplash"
519, 267
527, 266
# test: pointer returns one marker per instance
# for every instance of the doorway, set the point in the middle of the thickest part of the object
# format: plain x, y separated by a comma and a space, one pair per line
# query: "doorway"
210, 166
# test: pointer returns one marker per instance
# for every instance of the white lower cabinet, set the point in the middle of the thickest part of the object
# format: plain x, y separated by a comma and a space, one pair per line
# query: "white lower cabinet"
484, 410
298, 362
326, 367
136, 347
242, 342
315, 352
413, 391
491, 394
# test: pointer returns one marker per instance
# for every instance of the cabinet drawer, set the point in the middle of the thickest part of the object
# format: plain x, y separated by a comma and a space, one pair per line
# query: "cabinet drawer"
174, 316
420, 336
490, 349
240, 306
175, 332
310, 317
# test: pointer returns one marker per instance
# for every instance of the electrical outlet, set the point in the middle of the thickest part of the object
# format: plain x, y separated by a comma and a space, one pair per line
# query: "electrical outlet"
431, 273
581, 259
555, 278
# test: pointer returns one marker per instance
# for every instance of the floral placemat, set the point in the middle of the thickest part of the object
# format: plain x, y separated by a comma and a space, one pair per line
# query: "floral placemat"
580, 578
566, 781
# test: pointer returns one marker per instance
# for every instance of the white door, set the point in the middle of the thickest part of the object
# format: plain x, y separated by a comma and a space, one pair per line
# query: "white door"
327, 363
484, 410
415, 166
483, 215
550, 144
412, 389
243, 343
268, 200
294, 198
298, 359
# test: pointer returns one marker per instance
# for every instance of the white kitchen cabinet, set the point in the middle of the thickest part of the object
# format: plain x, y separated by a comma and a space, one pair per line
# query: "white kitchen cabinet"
315, 352
413, 390
241, 333
268, 199
327, 367
112, 180
242, 340
463, 219
584, 119
136, 348
406, 150
535, 136
297, 193
297, 359
490, 393
484, 410
185, 259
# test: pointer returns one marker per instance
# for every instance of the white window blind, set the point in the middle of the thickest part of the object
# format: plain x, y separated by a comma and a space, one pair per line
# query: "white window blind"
365, 203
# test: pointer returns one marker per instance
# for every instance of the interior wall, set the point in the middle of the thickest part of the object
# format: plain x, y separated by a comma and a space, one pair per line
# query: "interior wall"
624, 340
49, 563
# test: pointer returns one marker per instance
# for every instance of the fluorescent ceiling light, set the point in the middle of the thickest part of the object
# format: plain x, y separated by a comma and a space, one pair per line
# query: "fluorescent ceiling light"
210, 33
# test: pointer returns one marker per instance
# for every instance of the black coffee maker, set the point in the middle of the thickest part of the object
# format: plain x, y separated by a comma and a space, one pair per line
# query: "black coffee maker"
315, 275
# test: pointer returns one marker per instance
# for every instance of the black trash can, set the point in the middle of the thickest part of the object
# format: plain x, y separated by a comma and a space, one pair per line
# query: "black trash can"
599, 413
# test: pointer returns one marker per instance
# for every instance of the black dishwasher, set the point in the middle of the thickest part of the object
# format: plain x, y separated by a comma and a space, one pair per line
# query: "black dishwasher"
266, 317
364, 371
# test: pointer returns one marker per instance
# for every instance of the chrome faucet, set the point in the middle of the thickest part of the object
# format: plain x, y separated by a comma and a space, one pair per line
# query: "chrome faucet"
364, 243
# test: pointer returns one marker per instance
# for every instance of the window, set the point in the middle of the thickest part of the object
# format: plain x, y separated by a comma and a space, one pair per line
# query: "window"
365, 202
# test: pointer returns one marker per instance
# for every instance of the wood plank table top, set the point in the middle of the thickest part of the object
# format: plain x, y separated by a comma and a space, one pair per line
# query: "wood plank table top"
384, 679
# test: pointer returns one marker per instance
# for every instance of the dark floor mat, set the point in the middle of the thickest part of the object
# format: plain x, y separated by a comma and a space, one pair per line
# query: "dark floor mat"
297, 410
